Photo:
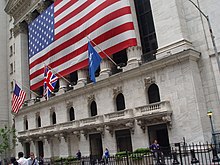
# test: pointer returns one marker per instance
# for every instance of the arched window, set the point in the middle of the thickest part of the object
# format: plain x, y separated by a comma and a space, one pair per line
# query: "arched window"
26, 124
54, 120
153, 94
71, 114
93, 108
38, 121
120, 102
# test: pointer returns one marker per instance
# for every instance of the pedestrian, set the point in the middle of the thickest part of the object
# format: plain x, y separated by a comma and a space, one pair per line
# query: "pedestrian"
155, 148
106, 155
41, 160
13, 161
21, 160
32, 160
78, 155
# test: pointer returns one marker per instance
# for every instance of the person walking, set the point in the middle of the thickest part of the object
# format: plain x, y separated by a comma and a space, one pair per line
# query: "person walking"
21, 159
155, 148
32, 160
106, 155
13, 161
78, 155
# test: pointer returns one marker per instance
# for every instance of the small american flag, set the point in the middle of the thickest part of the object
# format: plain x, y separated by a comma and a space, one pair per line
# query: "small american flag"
58, 37
17, 98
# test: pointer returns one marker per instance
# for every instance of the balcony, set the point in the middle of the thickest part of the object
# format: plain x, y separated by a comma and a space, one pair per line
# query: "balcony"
156, 113
151, 114
118, 116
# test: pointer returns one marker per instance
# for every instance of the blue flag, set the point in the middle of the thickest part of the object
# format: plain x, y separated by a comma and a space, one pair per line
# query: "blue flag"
94, 61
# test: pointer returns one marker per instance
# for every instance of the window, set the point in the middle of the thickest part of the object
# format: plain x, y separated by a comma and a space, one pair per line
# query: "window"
153, 94
38, 121
12, 86
54, 120
11, 68
10, 34
120, 102
146, 27
71, 114
93, 108
11, 51
14, 48
26, 124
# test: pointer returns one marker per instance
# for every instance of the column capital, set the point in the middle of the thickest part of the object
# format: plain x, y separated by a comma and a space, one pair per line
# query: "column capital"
20, 28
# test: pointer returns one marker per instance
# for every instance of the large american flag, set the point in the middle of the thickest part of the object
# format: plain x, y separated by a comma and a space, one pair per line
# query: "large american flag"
17, 98
59, 36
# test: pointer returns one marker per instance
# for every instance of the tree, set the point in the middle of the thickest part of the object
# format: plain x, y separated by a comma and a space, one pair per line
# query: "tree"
7, 139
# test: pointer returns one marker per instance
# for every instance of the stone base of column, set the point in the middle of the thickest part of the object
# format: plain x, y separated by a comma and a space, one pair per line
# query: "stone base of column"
61, 91
81, 83
104, 74
131, 64
173, 48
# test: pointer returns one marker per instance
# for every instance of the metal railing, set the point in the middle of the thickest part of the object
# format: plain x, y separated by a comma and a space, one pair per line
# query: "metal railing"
178, 153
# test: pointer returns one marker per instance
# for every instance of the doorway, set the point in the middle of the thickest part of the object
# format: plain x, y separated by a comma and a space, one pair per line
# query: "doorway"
40, 149
96, 150
160, 133
123, 139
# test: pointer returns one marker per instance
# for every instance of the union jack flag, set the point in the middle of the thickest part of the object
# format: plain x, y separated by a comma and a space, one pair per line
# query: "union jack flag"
50, 81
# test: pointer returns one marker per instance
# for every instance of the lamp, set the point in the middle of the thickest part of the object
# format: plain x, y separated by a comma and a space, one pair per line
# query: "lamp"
209, 114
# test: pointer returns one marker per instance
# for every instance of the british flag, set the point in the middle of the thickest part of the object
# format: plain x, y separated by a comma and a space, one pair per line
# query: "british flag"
50, 81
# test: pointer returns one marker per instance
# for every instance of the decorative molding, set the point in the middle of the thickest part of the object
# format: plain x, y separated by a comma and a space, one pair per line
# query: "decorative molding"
69, 104
117, 90
19, 28
148, 81
85, 133
109, 129
91, 98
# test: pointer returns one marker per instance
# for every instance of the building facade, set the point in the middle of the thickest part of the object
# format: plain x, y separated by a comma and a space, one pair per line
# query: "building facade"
163, 90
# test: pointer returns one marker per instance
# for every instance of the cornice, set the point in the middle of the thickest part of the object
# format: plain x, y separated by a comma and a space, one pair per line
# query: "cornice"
18, 9
146, 69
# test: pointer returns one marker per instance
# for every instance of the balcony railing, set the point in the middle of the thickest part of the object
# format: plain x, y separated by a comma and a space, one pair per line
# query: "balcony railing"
124, 114
158, 107
91, 120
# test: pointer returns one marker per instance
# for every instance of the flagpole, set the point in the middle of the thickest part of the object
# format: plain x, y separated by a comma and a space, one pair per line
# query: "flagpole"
27, 88
103, 52
59, 75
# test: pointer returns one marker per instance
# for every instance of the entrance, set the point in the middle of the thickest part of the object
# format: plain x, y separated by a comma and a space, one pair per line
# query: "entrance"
123, 139
27, 150
40, 149
160, 133
96, 150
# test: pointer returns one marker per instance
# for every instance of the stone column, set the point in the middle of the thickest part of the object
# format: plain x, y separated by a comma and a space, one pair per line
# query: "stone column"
47, 147
105, 69
63, 86
170, 27
33, 147
64, 146
32, 99
134, 57
82, 78
84, 143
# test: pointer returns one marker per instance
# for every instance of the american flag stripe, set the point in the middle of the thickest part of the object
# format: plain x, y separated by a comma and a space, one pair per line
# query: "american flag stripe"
108, 23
